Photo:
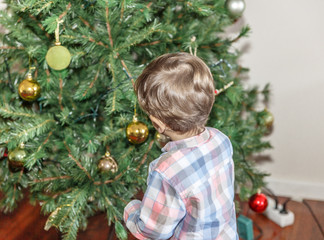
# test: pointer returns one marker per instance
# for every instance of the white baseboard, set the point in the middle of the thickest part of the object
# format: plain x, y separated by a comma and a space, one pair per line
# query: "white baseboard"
297, 190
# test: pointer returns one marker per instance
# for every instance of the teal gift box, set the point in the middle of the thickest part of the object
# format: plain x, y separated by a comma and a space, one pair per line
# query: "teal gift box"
245, 227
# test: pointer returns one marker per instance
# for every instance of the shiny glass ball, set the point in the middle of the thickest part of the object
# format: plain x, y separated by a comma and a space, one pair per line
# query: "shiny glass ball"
161, 140
137, 132
29, 89
235, 7
258, 202
107, 164
16, 158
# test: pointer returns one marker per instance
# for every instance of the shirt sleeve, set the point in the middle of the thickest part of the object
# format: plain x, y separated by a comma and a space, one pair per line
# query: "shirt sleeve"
159, 212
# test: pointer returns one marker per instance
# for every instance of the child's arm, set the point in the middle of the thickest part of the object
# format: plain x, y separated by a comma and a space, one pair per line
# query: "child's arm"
159, 212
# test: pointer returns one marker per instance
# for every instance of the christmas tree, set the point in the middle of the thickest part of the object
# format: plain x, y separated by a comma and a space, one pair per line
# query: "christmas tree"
66, 78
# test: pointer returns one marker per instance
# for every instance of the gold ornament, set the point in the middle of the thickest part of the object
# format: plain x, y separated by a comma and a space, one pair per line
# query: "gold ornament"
107, 164
137, 132
16, 157
268, 119
58, 57
29, 89
161, 140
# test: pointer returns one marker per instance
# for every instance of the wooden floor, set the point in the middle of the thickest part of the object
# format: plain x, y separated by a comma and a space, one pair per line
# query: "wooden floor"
26, 223
308, 225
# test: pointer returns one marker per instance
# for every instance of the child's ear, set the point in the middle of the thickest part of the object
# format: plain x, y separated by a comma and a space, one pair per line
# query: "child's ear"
158, 124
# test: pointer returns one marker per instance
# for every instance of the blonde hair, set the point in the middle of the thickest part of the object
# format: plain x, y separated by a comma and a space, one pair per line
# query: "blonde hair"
178, 89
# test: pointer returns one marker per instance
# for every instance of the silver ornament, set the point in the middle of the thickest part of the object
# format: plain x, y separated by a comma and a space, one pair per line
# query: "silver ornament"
235, 7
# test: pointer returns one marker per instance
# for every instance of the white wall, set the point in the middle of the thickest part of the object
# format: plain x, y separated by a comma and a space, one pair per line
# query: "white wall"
286, 49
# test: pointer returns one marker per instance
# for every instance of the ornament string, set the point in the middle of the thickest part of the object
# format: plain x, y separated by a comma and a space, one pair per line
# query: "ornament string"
135, 114
57, 31
193, 42
30, 68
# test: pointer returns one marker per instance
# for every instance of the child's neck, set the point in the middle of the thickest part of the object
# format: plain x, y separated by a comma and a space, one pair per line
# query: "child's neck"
175, 136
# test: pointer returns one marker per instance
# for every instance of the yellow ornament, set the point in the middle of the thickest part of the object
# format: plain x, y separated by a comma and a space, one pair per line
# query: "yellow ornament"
58, 57
268, 119
16, 157
29, 89
137, 132
161, 140
107, 164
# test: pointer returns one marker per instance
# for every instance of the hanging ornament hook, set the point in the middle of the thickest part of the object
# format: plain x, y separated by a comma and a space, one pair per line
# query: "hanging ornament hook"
30, 67
135, 113
193, 41
107, 154
57, 32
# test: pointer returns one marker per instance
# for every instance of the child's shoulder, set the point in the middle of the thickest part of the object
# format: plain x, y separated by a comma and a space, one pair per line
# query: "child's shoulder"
214, 132
218, 136
163, 162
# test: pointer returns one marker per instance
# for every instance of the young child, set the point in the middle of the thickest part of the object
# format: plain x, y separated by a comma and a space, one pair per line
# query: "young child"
190, 186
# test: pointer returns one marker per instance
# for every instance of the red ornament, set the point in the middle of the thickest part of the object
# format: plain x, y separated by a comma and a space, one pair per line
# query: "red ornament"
258, 202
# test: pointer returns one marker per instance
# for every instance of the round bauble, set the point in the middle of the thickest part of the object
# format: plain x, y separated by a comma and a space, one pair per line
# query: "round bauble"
258, 202
58, 57
235, 7
137, 132
16, 158
29, 89
107, 164
161, 140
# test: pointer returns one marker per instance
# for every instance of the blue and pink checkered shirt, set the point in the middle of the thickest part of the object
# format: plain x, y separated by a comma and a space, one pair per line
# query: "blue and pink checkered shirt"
190, 192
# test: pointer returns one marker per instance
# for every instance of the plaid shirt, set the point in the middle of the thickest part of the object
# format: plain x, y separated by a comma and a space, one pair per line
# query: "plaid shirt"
190, 192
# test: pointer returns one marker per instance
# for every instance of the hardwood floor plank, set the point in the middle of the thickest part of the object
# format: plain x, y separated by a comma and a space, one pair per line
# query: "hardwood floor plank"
97, 229
317, 209
27, 223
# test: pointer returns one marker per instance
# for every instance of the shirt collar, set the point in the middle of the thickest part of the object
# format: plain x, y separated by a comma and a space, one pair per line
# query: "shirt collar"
188, 142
